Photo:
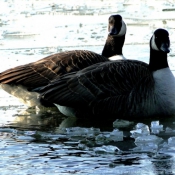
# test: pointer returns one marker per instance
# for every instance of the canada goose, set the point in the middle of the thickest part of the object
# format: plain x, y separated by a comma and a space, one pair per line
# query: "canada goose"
116, 38
19, 81
118, 89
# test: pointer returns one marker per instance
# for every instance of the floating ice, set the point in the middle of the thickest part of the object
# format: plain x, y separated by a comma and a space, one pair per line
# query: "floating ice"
83, 146
147, 143
116, 135
101, 139
106, 137
121, 123
106, 149
30, 132
141, 126
171, 141
24, 138
79, 131
141, 129
148, 138
155, 127
88, 142
142, 146
169, 130
154, 124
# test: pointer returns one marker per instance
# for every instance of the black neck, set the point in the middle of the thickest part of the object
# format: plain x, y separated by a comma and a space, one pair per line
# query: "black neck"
158, 60
113, 46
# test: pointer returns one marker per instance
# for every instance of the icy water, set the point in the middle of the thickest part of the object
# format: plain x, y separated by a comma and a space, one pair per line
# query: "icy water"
46, 142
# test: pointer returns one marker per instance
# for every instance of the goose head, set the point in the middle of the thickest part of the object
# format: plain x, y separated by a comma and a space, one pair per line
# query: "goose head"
160, 41
116, 26
159, 48
115, 39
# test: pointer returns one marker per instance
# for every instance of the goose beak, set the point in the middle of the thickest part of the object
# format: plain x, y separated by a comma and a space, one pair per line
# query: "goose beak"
165, 48
112, 30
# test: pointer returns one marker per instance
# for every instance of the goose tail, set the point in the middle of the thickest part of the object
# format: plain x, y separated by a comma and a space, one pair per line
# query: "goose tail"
56, 90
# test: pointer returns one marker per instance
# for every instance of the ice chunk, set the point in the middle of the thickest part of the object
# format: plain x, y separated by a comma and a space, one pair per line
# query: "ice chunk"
154, 124
76, 131
141, 129
168, 130
30, 132
83, 146
167, 146
106, 149
148, 138
141, 126
106, 137
149, 146
89, 142
121, 123
101, 139
155, 127
171, 141
116, 135
79, 131
24, 138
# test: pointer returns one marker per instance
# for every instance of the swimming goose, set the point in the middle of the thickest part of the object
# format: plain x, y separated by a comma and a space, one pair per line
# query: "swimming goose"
19, 81
116, 38
118, 89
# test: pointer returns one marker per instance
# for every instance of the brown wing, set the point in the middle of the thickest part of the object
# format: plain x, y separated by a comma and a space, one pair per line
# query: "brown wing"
114, 88
43, 71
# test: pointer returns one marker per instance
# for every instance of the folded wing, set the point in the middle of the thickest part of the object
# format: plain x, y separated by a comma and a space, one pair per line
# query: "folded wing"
41, 72
108, 87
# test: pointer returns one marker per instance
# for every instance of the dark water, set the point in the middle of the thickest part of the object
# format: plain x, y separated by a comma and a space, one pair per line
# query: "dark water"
43, 143
46, 142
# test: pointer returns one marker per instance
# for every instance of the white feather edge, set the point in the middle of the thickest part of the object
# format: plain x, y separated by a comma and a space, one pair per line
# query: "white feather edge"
117, 57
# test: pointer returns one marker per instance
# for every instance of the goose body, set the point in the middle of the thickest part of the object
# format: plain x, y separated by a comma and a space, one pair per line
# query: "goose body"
21, 80
165, 91
118, 89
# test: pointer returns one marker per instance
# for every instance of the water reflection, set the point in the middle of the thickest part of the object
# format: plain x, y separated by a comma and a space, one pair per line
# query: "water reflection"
40, 120
42, 140
163, 164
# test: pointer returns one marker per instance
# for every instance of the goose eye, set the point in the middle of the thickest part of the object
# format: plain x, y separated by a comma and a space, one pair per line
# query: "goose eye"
111, 22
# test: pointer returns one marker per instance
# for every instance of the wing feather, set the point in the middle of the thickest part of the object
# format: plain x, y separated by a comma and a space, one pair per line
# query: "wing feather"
104, 88
41, 72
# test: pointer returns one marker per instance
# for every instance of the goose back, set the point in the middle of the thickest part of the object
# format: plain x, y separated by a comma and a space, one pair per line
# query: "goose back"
42, 72
104, 89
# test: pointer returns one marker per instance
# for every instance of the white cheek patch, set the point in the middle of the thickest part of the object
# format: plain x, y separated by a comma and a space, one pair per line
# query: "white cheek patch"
122, 30
153, 44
